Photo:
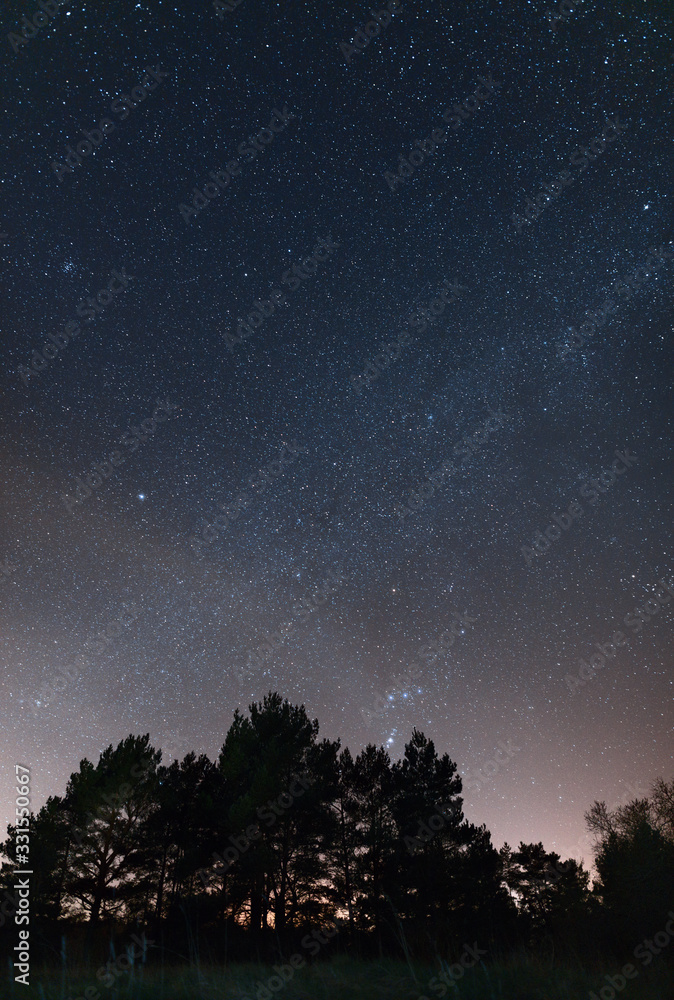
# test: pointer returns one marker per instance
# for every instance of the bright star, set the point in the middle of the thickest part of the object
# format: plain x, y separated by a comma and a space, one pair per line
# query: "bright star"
141, 496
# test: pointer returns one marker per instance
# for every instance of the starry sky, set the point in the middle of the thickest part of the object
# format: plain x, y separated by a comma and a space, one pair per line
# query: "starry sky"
329, 531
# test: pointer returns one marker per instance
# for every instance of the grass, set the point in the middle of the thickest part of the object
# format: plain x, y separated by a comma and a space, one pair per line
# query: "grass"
342, 978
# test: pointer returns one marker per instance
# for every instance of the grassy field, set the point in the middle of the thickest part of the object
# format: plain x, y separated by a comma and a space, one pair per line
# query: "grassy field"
346, 979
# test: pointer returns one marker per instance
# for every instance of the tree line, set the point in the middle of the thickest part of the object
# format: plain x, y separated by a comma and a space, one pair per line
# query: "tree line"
287, 831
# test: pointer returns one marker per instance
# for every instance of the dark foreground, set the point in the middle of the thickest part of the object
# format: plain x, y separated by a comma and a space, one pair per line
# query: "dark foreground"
518, 978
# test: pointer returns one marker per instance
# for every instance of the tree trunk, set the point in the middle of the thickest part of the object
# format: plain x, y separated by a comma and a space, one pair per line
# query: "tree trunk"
160, 887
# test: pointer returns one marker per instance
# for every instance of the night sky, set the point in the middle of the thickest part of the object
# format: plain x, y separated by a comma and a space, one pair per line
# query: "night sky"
280, 489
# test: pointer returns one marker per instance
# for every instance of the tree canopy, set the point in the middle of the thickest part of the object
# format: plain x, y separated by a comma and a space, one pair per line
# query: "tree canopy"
286, 830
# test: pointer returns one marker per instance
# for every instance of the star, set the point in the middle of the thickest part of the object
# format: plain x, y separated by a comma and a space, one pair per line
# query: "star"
342, 432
